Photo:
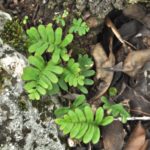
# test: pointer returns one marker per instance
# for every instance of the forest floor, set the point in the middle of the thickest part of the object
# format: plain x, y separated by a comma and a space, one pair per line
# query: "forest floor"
120, 47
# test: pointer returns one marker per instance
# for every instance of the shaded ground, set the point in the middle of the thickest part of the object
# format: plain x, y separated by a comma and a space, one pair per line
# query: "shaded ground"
125, 66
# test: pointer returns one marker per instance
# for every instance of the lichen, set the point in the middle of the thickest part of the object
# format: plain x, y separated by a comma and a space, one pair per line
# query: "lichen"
14, 34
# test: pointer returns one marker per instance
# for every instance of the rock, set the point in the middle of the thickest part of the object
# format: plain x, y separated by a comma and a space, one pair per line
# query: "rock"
103, 7
81, 5
21, 124
21, 129
12, 62
4, 17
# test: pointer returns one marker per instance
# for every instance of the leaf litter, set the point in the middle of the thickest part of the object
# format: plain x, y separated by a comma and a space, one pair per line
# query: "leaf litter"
127, 67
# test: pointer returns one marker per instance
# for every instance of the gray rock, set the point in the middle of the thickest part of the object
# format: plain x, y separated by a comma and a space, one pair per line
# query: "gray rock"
4, 17
22, 129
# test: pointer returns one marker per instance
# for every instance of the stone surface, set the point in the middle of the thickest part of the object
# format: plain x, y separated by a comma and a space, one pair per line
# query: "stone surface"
21, 124
4, 17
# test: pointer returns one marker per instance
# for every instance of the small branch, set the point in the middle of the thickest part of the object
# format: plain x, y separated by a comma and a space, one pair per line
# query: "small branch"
144, 118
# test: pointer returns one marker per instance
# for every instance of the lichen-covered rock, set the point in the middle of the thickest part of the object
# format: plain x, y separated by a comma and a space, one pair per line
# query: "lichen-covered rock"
103, 7
21, 127
4, 17
12, 62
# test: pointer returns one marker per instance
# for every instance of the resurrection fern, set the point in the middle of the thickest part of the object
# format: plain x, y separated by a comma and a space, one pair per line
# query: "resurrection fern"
79, 102
116, 110
77, 74
112, 91
86, 64
83, 125
60, 19
79, 26
46, 39
40, 76
72, 74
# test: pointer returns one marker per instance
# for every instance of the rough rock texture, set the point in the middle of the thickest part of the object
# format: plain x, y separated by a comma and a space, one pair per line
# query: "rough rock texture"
22, 129
4, 17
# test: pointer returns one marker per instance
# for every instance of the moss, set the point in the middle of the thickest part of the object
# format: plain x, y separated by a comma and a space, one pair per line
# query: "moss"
14, 35
22, 103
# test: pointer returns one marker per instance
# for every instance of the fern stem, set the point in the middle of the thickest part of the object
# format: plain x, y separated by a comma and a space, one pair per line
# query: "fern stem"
144, 118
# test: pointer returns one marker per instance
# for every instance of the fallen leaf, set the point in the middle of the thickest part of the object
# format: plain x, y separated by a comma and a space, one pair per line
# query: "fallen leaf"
113, 136
137, 138
138, 12
102, 62
110, 24
135, 61
92, 22
135, 11
114, 30
145, 146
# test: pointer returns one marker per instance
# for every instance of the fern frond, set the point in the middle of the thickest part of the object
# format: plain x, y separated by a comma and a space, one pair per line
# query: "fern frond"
79, 26
72, 74
79, 102
40, 76
83, 124
86, 64
115, 109
44, 38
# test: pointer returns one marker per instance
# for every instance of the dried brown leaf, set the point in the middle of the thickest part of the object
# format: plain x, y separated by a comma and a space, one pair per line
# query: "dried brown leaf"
114, 30
113, 136
135, 61
102, 62
145, 146
92, 22
137, 138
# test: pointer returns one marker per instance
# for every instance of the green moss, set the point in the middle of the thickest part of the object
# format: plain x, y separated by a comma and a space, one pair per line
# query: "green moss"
14, 35
22, 104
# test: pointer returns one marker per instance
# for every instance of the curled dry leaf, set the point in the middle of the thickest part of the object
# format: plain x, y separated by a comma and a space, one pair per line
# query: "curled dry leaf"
145, 146
92, 22
137, 138
114, 30
102, 62
110, 24
135, 61
113, 136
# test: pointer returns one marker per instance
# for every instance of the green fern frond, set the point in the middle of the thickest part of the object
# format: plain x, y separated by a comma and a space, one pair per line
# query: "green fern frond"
79, 26
117, 110
44, 38
79, 102
40, 76
86, 64
83, 125
72, 74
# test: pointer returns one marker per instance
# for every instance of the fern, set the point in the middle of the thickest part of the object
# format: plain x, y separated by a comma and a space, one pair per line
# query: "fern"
79, 102
77, 74
81, 124
86, 64
60, 19
115, 109
72, 74
79, 26
46, 39
40, 76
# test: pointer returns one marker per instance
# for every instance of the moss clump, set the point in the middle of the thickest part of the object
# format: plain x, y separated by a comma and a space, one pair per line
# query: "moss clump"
22, 104
14, 35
